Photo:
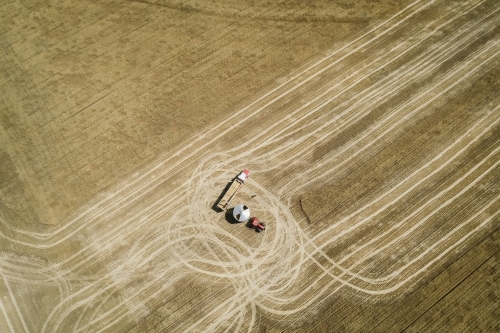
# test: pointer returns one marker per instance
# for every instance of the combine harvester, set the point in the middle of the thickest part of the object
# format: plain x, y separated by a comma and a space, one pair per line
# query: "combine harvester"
256, 224
236, 184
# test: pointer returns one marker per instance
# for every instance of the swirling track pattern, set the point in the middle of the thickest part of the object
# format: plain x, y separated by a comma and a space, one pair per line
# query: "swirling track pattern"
154, 242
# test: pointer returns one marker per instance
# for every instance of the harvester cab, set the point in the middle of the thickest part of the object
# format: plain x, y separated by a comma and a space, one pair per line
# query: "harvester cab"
243, 175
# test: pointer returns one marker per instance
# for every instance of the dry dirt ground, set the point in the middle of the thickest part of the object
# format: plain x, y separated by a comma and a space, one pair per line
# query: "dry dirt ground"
371, 129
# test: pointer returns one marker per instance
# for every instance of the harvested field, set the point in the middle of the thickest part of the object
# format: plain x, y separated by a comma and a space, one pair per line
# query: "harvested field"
371, 129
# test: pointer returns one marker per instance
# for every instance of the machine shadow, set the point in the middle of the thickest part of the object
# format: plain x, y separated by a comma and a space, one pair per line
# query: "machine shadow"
228, 215
214, 206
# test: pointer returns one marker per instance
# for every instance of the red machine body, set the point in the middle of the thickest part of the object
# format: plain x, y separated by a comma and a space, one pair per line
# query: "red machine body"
257, 224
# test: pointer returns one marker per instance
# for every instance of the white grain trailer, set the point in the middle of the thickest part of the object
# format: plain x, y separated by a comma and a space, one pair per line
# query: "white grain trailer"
236, 184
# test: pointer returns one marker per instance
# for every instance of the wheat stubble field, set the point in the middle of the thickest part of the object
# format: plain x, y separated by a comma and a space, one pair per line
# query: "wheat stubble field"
371, 129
